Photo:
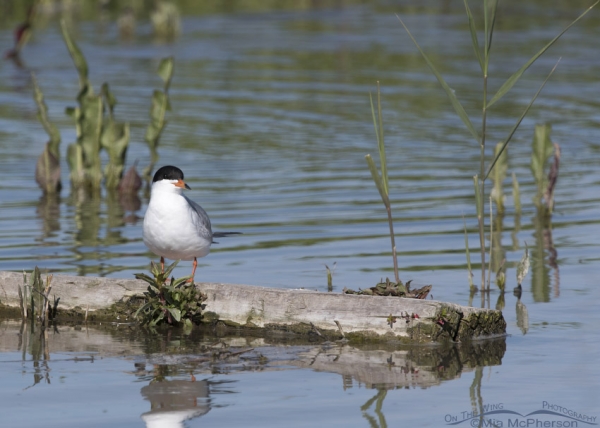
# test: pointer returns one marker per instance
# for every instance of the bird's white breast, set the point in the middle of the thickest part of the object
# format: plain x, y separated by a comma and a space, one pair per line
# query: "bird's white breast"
172, 228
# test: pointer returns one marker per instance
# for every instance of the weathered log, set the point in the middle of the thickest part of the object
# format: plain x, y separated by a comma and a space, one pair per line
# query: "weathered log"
330, 315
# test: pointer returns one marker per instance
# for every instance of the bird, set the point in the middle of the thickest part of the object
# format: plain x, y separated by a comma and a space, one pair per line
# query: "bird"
175, 227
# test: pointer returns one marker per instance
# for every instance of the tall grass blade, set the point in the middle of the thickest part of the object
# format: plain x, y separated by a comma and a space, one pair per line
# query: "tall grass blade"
453, 99
516, 76
381, 144
377, 179
473, 31
378, 125
514, 129
491, 29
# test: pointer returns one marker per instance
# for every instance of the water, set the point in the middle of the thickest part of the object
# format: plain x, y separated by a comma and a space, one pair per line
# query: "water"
270, 123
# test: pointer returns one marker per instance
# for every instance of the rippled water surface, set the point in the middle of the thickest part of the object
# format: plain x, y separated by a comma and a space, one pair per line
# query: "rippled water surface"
270, 122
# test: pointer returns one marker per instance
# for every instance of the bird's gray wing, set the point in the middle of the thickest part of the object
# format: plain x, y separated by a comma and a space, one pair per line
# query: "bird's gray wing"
202, 221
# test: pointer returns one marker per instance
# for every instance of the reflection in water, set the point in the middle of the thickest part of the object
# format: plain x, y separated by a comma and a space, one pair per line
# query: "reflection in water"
522, 316
412, 367
91, 214
168, 364
48, 211
174, 401
378, 398
540, 270
35, 340
475, 394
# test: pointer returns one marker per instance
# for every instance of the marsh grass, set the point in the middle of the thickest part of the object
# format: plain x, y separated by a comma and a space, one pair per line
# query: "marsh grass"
34, 298
482, 55
381, 180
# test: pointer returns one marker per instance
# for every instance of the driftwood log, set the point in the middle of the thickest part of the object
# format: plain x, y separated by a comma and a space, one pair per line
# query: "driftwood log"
279, 311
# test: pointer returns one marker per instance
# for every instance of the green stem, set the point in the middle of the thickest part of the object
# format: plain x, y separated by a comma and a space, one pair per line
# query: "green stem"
391, 223
482, 184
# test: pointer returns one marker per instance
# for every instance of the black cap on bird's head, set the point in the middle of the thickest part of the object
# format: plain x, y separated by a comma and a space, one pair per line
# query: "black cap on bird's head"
171, 173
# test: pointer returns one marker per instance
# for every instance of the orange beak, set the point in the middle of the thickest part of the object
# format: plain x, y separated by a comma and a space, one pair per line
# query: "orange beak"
182, 184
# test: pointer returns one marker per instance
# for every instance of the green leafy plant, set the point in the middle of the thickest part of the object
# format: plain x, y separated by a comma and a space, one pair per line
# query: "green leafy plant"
482, 54
174, 302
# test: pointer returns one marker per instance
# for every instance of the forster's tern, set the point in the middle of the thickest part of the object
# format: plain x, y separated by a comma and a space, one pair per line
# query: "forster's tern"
175, 227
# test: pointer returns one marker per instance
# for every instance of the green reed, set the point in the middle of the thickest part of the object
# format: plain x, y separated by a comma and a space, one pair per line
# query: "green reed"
482, 54
381, 181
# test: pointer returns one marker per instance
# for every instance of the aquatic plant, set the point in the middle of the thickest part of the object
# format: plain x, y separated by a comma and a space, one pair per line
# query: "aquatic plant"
330, 276
34, 298
47, 168
158, 111
542, 150
381, 181
22, 34
97, 129
165, 19
498, 175
173, 302
482, 54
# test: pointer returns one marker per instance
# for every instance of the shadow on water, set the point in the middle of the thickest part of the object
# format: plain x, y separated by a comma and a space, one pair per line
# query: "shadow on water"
170, 364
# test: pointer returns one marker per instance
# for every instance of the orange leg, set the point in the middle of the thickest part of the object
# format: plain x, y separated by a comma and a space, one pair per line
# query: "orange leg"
194, 265
162, 264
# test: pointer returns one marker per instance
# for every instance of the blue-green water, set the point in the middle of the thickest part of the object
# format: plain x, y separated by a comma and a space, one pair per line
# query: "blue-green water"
270, 122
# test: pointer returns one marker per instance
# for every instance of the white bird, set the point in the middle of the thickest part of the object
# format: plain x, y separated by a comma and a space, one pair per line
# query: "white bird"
175, 227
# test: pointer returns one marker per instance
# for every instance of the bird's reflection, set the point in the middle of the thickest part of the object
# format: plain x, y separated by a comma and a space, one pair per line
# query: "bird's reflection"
174, 401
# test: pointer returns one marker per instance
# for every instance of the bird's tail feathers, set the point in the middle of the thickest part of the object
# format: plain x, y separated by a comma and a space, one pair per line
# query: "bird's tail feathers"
224, 235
